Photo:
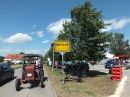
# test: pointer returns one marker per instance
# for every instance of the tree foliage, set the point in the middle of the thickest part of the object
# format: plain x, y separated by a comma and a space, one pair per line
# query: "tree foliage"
1, 58
22, 53
118, 45
84, 33
49, 54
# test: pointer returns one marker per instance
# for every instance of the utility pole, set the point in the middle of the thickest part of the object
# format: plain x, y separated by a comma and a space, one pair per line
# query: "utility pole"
52, 45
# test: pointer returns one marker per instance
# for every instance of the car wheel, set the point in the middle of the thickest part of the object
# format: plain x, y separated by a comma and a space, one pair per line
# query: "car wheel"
84, 73
41, 80
17, 84
12, 76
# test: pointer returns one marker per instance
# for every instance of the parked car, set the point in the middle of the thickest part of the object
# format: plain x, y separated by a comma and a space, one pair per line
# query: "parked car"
6, 72
93, 62
127, 65
111, 63
9, 63
58, 65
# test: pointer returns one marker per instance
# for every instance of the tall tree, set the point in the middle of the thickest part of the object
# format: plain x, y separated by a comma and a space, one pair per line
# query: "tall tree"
118, 45
84, 33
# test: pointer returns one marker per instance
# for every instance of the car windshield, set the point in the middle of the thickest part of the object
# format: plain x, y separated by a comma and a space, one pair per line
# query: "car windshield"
30, 60
110, 61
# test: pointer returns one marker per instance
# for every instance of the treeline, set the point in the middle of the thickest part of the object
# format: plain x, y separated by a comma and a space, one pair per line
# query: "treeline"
2, 58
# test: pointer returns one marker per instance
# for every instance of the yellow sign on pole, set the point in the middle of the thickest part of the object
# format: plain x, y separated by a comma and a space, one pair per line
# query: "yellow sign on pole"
62, 46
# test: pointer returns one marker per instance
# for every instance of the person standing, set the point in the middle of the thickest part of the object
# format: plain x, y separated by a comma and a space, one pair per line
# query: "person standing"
50, 63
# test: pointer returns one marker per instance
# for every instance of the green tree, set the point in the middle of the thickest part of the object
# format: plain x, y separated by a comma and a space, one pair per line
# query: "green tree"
49, 54
84, 33
118, 46
22, 53
46, 56
1, 58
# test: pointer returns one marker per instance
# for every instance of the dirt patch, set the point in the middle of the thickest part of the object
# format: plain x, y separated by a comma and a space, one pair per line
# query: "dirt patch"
96, 84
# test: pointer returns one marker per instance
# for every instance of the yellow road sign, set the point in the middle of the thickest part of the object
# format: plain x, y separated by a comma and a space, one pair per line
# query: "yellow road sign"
62, 46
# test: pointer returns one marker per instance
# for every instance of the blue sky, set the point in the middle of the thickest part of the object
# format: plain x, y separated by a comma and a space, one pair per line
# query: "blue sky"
30, 26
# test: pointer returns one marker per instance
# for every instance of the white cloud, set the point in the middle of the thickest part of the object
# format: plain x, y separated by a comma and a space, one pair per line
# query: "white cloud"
45, 41
5, 50
18, 50
0, 38
18, 38
55, 27
45, 50
39, 33
32, 32
29, 51
116, 23
34, 26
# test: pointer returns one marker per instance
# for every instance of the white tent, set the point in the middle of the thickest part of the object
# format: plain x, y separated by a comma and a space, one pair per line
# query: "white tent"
108, 55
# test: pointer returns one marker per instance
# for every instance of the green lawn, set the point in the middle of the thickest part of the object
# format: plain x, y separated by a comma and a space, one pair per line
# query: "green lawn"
16, 66
96, 84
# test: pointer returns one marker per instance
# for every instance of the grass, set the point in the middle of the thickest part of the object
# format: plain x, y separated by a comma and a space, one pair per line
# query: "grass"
16, 66
96, 84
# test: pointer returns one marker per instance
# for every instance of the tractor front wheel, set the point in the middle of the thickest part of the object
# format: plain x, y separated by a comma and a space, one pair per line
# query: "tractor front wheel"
41, 81
17, 84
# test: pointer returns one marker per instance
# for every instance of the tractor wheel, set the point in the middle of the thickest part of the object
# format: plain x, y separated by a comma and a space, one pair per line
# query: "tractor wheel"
41, 81
17, 84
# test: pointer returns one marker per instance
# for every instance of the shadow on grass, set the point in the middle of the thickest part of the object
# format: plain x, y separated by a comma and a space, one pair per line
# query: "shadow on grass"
91, 73
95, 73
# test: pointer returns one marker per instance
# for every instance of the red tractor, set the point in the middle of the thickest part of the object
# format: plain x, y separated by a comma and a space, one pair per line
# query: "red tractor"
32, 70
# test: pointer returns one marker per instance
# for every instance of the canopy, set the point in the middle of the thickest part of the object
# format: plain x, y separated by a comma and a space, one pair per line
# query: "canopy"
121, 57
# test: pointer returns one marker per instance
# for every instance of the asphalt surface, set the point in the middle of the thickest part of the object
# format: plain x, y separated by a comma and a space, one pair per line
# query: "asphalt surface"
123, 89
126, 89
7, 88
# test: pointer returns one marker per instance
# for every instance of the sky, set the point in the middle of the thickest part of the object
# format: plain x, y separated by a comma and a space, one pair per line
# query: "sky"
30, 26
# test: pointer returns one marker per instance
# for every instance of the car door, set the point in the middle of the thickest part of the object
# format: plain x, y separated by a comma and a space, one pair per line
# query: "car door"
10, 71
6, 72
1, 74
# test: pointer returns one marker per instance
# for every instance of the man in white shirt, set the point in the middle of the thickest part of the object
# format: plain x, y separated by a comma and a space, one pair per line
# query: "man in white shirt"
50, 63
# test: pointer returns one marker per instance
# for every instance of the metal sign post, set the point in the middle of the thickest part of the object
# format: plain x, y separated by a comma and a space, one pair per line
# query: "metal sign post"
62, 53
62, 47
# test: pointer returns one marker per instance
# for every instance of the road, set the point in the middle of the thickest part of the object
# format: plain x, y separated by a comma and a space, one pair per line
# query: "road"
7, 88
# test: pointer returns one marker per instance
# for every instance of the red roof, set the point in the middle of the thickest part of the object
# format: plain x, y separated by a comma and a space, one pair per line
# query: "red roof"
14, 56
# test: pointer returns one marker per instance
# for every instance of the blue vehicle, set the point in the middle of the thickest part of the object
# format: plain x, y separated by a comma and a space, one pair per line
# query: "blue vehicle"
111, 63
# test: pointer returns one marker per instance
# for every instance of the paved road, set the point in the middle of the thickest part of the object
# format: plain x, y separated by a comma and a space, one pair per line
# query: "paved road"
7, 88
126, 89
124, 86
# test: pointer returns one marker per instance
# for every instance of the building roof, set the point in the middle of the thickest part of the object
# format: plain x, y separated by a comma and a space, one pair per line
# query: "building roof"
14, 56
